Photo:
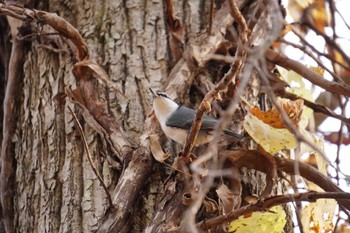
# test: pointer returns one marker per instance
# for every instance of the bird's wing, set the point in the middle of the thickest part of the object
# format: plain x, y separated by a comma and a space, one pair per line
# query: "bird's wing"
183, 118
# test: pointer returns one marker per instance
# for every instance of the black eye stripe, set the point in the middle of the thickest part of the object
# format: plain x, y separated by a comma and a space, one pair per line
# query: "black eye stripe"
162, 94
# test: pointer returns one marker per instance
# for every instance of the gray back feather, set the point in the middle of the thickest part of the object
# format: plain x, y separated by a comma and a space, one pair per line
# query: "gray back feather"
183, 118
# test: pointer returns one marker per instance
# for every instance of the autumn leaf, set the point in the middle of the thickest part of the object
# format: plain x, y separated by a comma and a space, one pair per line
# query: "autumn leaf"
272, 221
318, 216
298, 87
285, 31
226, 198
314, 10
319, 15
294, 109
334, 138
340, 64
269, 138
156, 149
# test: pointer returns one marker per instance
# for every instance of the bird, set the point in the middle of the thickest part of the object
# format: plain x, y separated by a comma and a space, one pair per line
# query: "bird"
176, 120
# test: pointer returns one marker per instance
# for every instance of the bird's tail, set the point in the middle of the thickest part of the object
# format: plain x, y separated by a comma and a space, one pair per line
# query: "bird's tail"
233, 134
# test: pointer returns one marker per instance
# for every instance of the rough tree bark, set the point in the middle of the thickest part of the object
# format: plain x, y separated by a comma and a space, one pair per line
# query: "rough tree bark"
53, 186
47, 183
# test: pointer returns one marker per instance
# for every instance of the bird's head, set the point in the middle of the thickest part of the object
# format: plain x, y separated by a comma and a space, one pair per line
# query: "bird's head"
163, 105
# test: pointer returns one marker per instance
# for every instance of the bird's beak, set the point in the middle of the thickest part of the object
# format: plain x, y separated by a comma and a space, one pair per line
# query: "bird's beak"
153, 93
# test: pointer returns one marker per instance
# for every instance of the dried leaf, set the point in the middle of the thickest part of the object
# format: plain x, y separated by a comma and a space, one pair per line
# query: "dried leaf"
251, 199
319, 15
317, 216
298, 87
339, 69
343, 228
297, 7
66, 29
296, 83
210, 206
156, 149
176, 29
312, 11
76, 96
334, 138
260, 161
294, 109
226, 198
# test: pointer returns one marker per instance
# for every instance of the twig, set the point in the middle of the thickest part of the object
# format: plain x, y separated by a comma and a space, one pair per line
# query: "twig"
12, 14
314, 106
307, 52
328, 56
205, 104
281, 60
37, 34
10, 115
328, 40
90, 159
332, 10
344, 20
176, 30
340, 137
254, 159
297, 215
264, 205
282, 93
59, 24
287, 121
211, 15
236, 14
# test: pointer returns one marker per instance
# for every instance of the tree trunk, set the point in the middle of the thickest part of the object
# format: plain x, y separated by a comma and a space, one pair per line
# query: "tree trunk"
51, 184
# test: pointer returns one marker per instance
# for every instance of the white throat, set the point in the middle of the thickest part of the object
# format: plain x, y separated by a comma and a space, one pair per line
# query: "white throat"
163, 108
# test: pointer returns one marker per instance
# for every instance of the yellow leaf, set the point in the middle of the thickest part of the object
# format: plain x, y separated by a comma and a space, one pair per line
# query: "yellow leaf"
268, 137
319, 15
297, 7
315, 10
297, 87
340, 70
317, 216
262, 222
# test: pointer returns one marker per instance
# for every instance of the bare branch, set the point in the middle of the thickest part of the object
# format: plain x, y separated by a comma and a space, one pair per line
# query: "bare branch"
253, 159
281, 60
7, 175
86, 146
328, 56
329, 41
211, 16
307, 52
56, 22
264, 205
236, 14
316, 107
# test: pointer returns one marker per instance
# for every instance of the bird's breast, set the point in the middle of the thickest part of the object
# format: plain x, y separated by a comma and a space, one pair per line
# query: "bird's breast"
180, 135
